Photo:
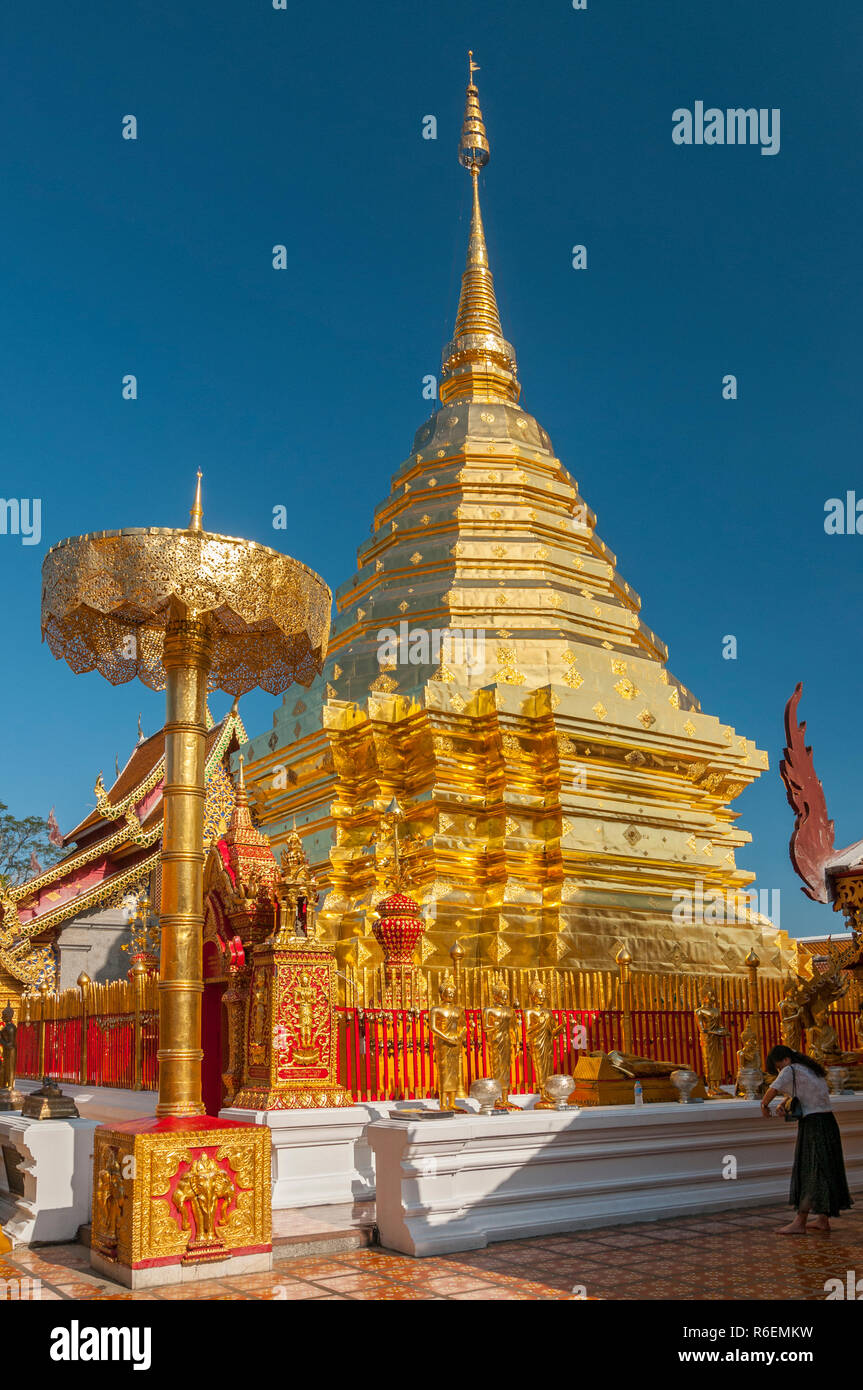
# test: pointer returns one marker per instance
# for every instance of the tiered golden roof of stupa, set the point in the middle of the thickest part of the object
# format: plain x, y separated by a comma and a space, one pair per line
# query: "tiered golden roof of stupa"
566, 783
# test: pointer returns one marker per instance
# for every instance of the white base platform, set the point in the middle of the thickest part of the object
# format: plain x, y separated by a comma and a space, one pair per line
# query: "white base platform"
105, 1104
458, 1184
55, 1161
320, 1157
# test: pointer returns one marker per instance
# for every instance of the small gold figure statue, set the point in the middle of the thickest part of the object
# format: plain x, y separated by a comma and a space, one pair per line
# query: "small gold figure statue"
109, 1204
501, 1030
791, 1017
541, 1029
10, 1099
449, 1031
750, 1077
709, 1020
306, 1054
822, 1040
260, 1007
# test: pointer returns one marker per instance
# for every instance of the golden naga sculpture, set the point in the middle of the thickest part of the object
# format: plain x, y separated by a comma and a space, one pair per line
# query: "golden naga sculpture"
110, 1199
709, 1019
541, 1029
805, 1005
449, 1031
500, 1024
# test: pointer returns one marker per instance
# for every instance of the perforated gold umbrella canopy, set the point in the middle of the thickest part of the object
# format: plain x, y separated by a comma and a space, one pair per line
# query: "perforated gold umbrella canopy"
107, 598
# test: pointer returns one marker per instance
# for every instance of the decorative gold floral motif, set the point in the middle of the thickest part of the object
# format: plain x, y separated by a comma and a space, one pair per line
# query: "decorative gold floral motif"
626, 689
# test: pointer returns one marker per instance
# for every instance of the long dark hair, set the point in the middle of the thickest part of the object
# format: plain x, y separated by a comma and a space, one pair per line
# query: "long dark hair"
781, 1055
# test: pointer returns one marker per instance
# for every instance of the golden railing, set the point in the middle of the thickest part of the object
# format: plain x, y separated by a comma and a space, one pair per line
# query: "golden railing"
95, 1034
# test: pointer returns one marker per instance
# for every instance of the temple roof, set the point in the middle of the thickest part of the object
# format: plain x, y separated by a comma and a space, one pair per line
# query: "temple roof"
117, 844
145, 758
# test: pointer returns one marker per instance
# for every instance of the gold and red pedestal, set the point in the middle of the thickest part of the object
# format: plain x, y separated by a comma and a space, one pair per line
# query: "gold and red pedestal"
292, 1040
175, 1197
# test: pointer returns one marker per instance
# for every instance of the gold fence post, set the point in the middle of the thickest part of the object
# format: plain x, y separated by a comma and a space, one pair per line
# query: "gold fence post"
83, 983
139, 976
457, 955
752, 963
624, 960
44, 995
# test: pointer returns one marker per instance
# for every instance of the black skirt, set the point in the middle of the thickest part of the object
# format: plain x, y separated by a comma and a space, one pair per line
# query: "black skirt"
818, 1179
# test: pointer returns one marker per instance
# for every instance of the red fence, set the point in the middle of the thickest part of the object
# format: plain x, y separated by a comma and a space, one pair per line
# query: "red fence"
388, 1054
92, 1051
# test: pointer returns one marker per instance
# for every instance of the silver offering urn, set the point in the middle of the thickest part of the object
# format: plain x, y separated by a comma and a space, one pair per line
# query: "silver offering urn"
558, 1089
486, 1090
684, 1082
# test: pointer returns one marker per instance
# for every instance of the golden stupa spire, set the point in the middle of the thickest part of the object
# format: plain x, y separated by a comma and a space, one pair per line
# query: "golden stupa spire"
196, 515
241, 797
479, 364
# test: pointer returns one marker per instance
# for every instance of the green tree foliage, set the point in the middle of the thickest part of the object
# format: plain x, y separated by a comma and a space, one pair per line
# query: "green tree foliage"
19, 839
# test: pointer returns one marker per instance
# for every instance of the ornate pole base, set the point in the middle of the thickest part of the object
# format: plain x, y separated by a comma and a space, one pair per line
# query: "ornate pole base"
173, 1197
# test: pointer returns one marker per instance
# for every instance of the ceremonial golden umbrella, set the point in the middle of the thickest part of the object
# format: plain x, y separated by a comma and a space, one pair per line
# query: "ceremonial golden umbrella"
184, 611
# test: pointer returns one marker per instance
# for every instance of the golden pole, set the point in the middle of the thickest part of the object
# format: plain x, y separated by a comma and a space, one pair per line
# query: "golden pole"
624, 960
139, 977
187, 657
83, 985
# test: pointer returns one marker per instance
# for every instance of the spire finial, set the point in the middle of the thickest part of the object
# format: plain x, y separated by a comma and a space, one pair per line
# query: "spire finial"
196, 515
479, 364
241, 795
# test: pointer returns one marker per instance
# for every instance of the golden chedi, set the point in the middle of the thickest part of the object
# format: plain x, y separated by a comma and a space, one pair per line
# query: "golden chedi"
491, 664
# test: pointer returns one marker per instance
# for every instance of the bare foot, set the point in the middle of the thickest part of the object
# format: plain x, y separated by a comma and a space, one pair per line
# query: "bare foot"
821, 1223
794, 1228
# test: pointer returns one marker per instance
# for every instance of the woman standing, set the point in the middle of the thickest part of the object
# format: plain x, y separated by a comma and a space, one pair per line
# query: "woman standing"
819, 1187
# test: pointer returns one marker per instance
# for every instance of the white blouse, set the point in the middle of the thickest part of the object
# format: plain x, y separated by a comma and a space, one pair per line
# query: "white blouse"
811, 1090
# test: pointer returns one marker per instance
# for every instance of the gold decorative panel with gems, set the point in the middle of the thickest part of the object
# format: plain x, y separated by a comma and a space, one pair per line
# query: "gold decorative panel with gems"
179, 1191
291, 1034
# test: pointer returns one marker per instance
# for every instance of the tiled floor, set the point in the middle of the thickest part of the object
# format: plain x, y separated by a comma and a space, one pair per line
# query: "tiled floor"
733, 1255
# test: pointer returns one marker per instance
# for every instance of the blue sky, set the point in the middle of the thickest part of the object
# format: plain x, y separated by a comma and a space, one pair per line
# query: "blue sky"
303, 387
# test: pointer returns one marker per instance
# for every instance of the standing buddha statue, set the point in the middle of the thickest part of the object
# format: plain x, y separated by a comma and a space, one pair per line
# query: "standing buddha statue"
448, 1029
541, 1029
501, 1031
